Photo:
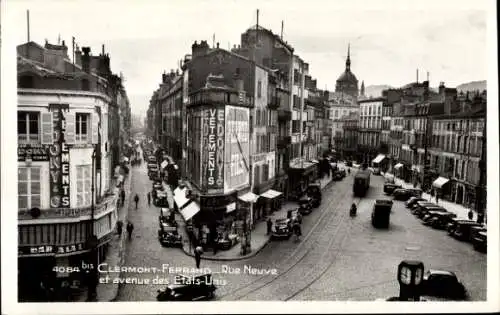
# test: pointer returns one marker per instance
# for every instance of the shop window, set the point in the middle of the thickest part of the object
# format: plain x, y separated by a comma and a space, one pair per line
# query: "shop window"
82, 121
28, 127
28, 185
83, 183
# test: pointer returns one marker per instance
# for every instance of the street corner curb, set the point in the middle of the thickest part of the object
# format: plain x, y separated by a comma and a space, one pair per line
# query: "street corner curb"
252, 254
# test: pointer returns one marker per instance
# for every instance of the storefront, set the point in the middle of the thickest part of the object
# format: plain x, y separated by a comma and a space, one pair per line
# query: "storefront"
442, 187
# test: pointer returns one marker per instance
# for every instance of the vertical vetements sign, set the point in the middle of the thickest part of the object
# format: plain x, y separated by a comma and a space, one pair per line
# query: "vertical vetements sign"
59, 162
213, 147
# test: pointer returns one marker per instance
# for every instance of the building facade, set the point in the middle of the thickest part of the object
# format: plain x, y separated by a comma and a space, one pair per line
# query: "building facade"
370, 128
67, 205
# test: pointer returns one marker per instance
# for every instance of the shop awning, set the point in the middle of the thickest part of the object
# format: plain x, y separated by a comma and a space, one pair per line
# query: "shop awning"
315, 161
163, 164
231, 207
438, 183
398, 166
190, 210
270, 194
379, 158
180, 197
249, 197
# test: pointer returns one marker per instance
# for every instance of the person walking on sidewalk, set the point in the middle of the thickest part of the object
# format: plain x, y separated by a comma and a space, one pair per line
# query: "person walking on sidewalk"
470, 214
269, 226
130, 229
122, 196
197, 255
149, 198
136, 199
119, 227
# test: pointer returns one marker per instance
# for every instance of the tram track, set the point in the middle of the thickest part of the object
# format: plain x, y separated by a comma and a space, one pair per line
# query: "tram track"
330, 219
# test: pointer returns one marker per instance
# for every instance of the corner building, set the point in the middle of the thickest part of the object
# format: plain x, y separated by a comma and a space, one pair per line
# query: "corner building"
63, 155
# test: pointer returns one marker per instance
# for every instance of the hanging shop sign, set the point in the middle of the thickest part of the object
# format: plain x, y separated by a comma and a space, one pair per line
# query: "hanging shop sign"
213, 149
32, 151
59, 163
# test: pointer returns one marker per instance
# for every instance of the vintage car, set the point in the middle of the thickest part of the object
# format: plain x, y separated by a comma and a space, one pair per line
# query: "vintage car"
404, 194
282, 228
413, 200
461, 229
442, 283
314, 191
389, 188
432, 216
381, 213
418, 206
152, 159
168, 216
188, 288
479, 241
440, 220
305, 205
157, 185
227, 242
169, 236
424, 209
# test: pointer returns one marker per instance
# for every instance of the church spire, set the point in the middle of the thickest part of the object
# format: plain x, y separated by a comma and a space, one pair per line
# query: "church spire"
348, 60
362, 92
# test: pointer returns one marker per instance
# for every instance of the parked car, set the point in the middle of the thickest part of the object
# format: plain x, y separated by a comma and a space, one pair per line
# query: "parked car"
461, 230
480, 242
314, 191
405, 193
152, 159
381, 213
157, 185
443, 283
424, 210
188, 288
433, 215
441, 220
417, 207
282, 228
305, 205
413, 200
389, 188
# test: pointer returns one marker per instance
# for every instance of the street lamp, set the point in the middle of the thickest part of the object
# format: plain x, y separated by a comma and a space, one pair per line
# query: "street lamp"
92, 240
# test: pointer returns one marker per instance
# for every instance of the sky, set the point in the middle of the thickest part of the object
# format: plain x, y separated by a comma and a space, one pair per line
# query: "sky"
389, 39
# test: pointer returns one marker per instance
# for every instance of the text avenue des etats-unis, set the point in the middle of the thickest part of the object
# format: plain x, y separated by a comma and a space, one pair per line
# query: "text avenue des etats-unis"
167, 268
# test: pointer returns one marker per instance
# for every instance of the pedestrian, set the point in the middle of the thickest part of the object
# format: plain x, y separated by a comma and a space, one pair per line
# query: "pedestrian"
197, 255
122, 195
470, 214
269, 226
149, 198
130, 229
299, 218
136, 199
119, 227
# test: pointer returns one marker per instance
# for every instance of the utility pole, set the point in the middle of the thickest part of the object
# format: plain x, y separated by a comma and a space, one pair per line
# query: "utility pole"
92, 240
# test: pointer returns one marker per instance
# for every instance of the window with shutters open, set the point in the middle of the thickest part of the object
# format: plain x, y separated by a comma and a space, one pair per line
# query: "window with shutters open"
82, 127
28, 186
28, 127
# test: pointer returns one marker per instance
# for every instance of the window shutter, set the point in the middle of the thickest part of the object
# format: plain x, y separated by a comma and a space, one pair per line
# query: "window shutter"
47, 128
69, 134
95, 128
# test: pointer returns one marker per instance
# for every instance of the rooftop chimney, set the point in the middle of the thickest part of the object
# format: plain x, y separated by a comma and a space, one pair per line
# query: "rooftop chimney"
86, 59
78, 56
164, 77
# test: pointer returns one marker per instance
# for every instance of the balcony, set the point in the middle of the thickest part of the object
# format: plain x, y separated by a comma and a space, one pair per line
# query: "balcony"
284, 114
220, 96
273, 103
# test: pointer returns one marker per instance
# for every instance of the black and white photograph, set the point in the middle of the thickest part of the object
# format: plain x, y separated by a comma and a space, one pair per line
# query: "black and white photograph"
304, 153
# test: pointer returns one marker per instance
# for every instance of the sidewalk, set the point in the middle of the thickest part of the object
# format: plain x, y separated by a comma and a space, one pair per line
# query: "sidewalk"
259, 237
117, 248
459, 210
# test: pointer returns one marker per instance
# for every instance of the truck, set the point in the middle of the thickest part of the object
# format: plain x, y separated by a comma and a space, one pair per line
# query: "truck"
361, 182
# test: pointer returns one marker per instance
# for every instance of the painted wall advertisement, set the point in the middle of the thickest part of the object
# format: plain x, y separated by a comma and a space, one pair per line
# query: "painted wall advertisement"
237, 153
212, 168
35, 152
59, 162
